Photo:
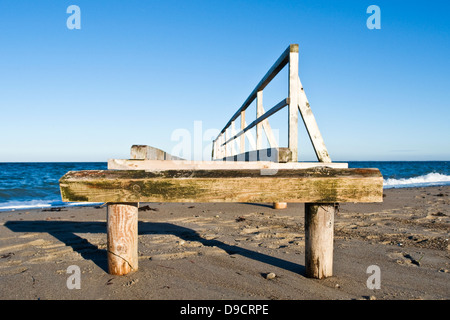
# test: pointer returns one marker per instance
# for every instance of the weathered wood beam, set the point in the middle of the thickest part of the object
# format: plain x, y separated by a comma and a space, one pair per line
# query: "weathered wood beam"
150, 153
293, 104
280, 155
161, 165
323, 185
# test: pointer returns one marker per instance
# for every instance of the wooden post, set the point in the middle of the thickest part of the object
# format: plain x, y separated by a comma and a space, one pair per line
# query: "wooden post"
242, 144
122, 238
293, 110
293, 101
319, 225
280, 205
214, 150
233, 132
259, 112
227, 136
221, 147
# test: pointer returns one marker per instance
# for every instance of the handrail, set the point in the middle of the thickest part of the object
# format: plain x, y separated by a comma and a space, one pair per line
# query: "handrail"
280, 105
296, 101
273, 71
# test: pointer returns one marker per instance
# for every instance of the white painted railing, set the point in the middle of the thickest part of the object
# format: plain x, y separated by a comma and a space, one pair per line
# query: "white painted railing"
295, 101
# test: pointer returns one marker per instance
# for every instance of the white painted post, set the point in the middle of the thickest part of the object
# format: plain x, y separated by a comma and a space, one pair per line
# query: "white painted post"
293, 101
233, 142
242, 146
214, 151
218, 148
259, 112
293, 109
227, 136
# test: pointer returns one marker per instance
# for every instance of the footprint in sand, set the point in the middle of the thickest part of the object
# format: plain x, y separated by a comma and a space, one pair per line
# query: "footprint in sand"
404, 258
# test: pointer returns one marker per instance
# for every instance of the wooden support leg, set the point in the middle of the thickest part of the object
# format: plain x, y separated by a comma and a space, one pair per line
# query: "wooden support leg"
319, 225
122, 238
279, 205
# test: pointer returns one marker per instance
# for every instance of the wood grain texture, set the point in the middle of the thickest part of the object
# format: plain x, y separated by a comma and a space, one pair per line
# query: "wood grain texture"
279, 205
293, 105
269, 163
318, 185
150, 153
319, 233
122, 238
276, 155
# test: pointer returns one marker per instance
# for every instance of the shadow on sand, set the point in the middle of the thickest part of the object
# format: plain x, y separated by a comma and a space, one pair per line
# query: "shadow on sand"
65, 231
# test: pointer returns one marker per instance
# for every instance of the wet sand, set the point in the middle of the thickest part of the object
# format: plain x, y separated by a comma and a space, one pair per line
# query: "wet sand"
225, 251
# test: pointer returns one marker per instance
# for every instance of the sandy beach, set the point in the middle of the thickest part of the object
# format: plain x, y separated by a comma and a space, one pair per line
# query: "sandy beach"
226, 251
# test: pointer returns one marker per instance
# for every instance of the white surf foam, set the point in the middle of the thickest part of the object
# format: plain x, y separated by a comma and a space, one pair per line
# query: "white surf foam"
40, 204
430, 179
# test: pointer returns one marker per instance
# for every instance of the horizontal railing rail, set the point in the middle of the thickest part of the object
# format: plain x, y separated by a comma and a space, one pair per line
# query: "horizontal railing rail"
283, 103
273, 71
296, 101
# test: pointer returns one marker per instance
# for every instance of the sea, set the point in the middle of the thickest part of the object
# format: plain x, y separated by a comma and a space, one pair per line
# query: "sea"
36, 184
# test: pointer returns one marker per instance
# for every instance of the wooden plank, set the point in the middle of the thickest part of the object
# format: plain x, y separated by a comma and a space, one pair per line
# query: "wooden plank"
311, 126
319, 233
323, 185
293, 104
150, 153
276, 155
162, 165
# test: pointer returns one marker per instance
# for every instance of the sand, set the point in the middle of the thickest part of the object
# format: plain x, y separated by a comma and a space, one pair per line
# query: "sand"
236, 251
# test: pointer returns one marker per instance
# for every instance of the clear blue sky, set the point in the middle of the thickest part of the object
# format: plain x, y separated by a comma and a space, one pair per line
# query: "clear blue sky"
138, 71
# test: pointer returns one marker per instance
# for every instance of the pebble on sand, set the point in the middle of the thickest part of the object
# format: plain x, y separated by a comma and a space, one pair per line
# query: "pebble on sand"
270, 275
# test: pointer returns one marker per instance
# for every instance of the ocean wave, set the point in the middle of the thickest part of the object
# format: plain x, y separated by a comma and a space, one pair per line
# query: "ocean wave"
40, 204
427, 180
